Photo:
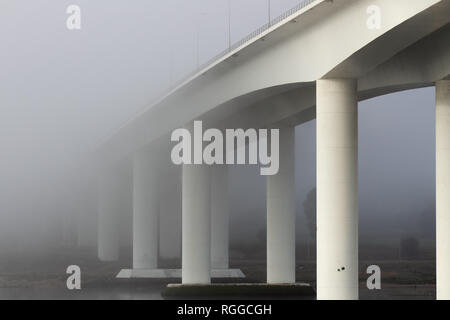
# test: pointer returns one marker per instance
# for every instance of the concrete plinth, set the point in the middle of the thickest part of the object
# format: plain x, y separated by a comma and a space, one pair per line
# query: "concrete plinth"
240, 290
149, 273
174, 273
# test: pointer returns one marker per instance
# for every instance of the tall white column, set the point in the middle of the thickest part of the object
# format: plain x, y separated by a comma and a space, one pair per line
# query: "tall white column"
281, 213
196, 221
220, 217
87, 219
337, 200
443, 190
145, 211
170, 214
108, 217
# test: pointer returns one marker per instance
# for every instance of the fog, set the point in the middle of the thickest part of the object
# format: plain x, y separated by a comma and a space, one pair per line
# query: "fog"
396, 172
63, 92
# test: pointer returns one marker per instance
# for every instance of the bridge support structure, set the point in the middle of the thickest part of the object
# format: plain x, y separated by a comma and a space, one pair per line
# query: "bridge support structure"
145, 211
281, 214
443, 190
337, 201
108, 217
146, 220
196, 224
220, 217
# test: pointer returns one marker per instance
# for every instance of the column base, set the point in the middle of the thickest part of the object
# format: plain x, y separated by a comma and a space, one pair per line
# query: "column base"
227, 273
240, 290
149, 273
174, 273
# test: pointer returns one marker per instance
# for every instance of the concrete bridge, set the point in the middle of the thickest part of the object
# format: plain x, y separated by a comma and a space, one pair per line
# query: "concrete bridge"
316, 61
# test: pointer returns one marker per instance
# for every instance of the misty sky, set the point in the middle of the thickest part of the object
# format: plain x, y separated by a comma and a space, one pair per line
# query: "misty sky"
62, 92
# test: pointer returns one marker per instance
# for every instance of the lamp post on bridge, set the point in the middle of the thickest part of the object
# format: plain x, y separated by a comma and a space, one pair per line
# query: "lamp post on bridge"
229, 24
201, 14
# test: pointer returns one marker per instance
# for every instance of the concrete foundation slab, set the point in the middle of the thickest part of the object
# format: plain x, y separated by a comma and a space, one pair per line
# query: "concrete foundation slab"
149, 273
241, 290
174, 273
227, 273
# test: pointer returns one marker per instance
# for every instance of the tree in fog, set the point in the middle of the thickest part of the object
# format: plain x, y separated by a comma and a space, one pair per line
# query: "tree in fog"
409, 248
427, 221
309, 209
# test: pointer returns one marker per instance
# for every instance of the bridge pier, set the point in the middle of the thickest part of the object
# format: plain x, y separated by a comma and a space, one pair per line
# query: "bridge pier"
337, 201
220, 217
145, 211
281, 214
443, 190
196, 221
220, 225
108, 217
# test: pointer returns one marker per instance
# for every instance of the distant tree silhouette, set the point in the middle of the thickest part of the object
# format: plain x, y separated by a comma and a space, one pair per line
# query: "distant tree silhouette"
427, 221
261, 236
409, 248
309, 209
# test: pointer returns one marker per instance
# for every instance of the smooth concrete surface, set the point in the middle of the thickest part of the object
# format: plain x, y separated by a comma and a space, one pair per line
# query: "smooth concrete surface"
281, 213
149, 273
238, 290
443, 190
291, 53
145, 211
220, 217
108, 217
175, 273
227, 273
337, 190
196, 224
170, 213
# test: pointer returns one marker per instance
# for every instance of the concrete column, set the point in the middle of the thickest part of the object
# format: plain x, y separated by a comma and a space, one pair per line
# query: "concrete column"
108, 217
87, 219
220, 217
196, 221
337, 199
281, 214
126, 205
170, 215
443, 190
145, 211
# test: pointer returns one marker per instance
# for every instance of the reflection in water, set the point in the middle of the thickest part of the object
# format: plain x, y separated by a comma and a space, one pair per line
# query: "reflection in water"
148, 293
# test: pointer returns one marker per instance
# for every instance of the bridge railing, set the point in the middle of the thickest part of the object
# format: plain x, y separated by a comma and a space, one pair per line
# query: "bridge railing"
242, 41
